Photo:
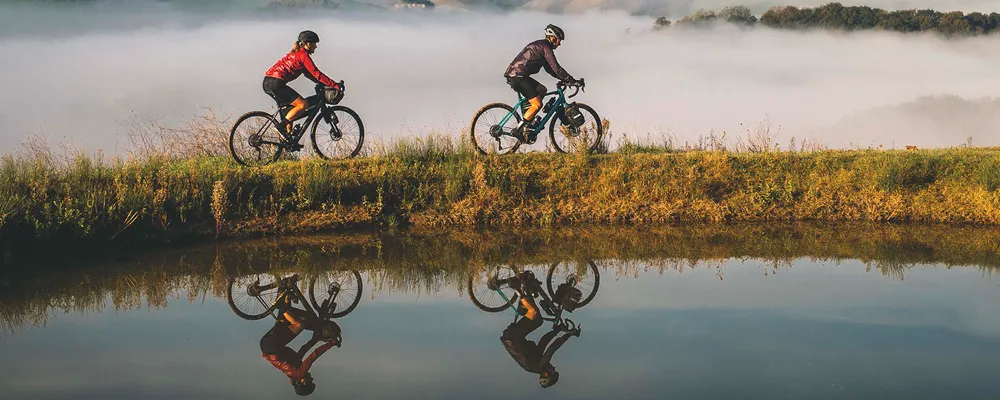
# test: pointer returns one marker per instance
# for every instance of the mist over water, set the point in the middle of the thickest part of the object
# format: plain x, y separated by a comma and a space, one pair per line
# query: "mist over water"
411, 73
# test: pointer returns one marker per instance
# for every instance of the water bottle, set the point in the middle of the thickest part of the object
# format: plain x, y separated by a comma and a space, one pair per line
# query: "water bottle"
548, 106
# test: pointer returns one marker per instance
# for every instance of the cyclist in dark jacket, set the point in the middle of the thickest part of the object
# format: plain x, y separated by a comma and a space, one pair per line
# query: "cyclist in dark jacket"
535, 56
531, 356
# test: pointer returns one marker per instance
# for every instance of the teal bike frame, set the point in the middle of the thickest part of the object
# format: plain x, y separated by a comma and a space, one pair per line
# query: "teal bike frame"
558, 104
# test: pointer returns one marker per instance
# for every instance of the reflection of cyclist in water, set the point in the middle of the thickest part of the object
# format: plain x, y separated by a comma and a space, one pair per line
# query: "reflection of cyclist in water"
535, 357
274, 346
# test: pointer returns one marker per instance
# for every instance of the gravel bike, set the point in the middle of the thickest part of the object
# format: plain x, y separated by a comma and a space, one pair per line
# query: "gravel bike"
336, 131
492, 125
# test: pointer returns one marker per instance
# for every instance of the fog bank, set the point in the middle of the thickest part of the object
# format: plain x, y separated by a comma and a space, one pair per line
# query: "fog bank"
410, 73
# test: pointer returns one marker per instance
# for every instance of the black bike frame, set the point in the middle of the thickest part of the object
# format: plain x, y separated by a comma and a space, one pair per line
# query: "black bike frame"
289, 286
314, 104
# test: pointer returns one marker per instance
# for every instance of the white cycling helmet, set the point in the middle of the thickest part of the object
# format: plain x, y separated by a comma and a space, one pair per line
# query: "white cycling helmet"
556, 31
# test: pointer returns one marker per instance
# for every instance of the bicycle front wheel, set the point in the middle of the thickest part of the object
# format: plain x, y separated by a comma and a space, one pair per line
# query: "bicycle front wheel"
586, 278
341, 287
254, 139
569, 137
488, 135
339, 138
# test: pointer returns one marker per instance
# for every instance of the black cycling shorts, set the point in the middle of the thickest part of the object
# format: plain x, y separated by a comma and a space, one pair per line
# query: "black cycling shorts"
276, 339
527, 86
522, 328
279, 91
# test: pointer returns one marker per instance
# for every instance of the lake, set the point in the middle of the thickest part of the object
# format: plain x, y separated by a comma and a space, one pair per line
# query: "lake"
748, 312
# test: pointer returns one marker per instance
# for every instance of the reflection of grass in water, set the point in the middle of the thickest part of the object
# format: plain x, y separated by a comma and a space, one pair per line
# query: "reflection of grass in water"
433, 261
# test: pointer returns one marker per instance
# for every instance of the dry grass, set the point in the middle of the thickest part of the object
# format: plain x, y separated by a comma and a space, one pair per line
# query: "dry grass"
205, 135
179, 186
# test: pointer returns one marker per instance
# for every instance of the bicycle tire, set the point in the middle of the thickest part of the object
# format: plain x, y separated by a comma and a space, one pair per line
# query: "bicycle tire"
361, 133
241, 313
472, 129
354, 303
582, 107
233, 140
586, 300
479, 304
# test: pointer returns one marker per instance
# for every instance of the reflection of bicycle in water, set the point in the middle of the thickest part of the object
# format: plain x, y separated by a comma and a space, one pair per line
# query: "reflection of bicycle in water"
497, 294
276, 297
262, 291
573, 291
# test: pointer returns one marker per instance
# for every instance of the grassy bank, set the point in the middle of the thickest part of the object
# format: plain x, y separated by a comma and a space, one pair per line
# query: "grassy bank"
88, 202
430, 260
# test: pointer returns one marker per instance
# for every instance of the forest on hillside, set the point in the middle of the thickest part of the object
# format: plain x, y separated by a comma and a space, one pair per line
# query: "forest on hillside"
836, 16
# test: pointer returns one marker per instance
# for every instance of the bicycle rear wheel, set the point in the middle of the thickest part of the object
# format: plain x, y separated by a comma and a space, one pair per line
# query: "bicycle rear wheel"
486, 133
255, 140
341, 287
571, 138
253, 297
488, 297
340, 139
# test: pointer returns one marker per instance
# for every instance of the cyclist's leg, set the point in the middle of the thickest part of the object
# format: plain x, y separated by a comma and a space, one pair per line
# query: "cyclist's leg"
535, 102
531, 90
521, 329
284, 96
298, 108
528, 302
276, 338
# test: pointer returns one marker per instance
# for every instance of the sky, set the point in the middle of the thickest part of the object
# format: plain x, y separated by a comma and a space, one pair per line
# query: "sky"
82, 75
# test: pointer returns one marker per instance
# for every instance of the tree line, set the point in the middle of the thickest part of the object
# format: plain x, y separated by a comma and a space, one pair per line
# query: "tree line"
835, 16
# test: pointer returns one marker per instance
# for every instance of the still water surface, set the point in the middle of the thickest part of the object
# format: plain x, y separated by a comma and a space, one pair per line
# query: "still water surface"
728, 327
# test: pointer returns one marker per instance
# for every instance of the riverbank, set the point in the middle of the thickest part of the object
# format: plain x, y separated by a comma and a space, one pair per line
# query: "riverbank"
92, 203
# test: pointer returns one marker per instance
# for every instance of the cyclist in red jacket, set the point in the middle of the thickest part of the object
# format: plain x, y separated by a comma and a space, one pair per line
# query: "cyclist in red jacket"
289, 67
295, 365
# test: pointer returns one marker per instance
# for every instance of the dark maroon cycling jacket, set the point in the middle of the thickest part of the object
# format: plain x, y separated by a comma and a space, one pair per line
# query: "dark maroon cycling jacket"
293, 64
534, 57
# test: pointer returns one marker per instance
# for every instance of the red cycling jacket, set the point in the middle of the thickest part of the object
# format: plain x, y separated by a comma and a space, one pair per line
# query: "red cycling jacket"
287, 361
293, 64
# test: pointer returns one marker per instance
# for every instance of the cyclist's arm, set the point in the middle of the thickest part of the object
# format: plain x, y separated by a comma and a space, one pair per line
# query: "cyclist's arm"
547, 357
307, 363
314, 73
544, 341
552, 66
308, 345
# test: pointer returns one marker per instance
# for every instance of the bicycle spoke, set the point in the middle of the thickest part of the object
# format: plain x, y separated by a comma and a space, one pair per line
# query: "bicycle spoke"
340, 138
487, 129
255, 139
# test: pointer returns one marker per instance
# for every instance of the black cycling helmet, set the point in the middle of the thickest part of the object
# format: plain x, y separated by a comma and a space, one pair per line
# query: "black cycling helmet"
556, 31
308, 36
304, 388
548, 379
